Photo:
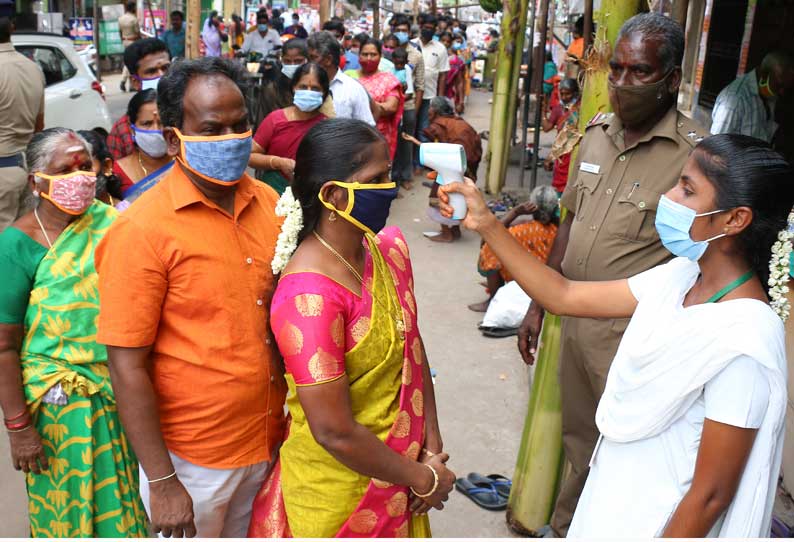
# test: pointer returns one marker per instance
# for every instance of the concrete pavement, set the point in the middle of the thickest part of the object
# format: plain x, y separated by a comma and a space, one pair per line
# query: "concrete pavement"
482, 386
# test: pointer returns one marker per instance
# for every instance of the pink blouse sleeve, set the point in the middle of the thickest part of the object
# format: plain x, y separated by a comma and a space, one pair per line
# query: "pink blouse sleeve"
309, 326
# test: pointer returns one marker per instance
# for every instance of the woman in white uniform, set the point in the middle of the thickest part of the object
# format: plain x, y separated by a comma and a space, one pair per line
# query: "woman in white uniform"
692, 417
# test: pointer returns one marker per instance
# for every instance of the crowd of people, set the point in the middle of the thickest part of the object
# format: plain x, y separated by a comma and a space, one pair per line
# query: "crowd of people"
161, 306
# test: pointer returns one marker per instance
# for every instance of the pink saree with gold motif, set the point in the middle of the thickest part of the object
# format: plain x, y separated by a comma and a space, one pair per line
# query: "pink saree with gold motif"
325, 331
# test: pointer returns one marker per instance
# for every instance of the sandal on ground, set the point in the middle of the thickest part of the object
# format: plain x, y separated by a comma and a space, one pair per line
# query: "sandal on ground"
484, 496
500, 483
498, 332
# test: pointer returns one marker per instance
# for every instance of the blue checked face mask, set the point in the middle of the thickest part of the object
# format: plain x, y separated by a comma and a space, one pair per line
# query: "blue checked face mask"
218, 159
673, 222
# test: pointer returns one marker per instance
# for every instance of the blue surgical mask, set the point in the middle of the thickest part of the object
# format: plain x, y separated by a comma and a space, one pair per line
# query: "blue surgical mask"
151, 142
457, 46
308, 100
290, 69
673, 222
401, 76
147, 84
368, 204
261, 27
402, 37
218, 159
456, 30
436, 38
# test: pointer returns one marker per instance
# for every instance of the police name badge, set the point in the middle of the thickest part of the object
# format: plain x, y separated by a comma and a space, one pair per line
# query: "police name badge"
590, 168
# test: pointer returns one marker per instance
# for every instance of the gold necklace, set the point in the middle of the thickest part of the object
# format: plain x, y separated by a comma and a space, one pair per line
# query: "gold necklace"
47, 237
397, 320
140, 163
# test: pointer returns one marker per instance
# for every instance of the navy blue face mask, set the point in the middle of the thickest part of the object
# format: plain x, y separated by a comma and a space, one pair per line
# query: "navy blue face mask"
367, 204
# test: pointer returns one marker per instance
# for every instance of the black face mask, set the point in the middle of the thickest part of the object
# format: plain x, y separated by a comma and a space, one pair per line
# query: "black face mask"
427, 34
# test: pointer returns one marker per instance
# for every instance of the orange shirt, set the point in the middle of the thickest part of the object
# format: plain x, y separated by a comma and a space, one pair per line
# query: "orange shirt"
576, 48
179, 273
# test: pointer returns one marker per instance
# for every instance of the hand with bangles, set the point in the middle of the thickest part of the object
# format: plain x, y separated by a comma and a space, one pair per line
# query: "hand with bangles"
440, 481
27, 451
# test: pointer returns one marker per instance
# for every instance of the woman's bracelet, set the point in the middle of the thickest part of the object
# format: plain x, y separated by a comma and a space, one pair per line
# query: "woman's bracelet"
13, 418
28, 426
18, 425
163, 478
271, 163
432, 489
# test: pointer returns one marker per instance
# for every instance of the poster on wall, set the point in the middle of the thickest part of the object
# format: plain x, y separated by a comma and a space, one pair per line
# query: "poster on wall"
112, 12
81, 30
158, 25
110, 38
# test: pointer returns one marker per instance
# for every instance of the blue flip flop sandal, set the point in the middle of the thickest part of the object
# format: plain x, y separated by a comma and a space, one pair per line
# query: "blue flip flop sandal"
483, 495
501, 484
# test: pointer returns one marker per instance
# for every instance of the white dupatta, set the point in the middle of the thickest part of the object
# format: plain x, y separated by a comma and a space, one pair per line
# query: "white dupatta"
659, 372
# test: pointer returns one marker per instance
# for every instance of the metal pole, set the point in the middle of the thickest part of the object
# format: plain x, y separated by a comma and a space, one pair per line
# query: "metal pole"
376, 20
538, 65
588, 25
527, 83
96, 40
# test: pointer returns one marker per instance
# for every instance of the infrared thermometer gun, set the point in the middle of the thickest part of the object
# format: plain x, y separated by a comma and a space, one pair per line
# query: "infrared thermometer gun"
449, 160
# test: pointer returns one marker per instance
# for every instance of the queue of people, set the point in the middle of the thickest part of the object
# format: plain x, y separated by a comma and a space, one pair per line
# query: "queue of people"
145, 376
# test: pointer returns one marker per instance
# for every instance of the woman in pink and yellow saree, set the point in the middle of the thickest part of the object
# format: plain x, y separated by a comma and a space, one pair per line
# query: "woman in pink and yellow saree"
363, 456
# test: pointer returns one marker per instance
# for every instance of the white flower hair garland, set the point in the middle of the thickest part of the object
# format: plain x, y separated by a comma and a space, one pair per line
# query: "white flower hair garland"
779, 270
287, 242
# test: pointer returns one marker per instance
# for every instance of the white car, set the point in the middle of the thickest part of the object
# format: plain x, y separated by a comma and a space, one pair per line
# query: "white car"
73, 98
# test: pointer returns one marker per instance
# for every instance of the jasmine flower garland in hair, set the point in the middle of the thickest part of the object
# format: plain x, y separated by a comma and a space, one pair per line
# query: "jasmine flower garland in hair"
287, 242
779, 270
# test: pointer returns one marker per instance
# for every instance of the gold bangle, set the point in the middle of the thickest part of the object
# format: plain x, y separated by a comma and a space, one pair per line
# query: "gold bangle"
19, 430
427, 452
163, 478
271, 163
432, 489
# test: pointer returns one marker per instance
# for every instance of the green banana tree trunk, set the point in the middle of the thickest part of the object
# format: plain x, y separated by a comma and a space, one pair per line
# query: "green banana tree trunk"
517, 26
499, 137
540, 458
540, 462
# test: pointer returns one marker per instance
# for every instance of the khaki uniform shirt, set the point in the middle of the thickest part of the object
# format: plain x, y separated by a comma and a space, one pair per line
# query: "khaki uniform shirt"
614, 193
21, 99
128, 26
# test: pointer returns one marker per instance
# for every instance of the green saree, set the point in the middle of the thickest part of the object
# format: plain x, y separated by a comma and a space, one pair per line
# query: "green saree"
91, 487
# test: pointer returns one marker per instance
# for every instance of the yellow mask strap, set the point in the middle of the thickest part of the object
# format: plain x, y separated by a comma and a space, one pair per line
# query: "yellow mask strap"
351, 197
65, 176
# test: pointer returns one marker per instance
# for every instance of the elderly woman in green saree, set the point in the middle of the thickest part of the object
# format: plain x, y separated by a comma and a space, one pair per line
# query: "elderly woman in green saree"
57, 401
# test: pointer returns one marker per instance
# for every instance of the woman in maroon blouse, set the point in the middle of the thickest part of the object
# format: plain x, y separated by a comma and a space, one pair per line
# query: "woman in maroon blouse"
277, 138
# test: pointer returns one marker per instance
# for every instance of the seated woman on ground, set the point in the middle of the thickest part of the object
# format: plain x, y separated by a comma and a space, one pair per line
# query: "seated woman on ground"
536, 236
693, 414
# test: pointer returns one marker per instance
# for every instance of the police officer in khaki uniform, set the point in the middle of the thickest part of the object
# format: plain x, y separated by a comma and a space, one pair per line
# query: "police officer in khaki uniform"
626, 161
21, 115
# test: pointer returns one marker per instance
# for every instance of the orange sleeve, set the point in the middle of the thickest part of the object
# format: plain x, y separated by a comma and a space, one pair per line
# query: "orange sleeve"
132, 285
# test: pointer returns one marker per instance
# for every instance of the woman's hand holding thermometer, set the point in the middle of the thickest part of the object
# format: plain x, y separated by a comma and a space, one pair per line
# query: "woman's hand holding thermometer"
478, 217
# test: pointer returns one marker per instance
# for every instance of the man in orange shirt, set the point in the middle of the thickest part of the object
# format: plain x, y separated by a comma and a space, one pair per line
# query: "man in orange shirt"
185, 284
575, 50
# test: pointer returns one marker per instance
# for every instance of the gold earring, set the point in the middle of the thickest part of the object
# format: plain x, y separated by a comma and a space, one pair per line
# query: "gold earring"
332, 217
